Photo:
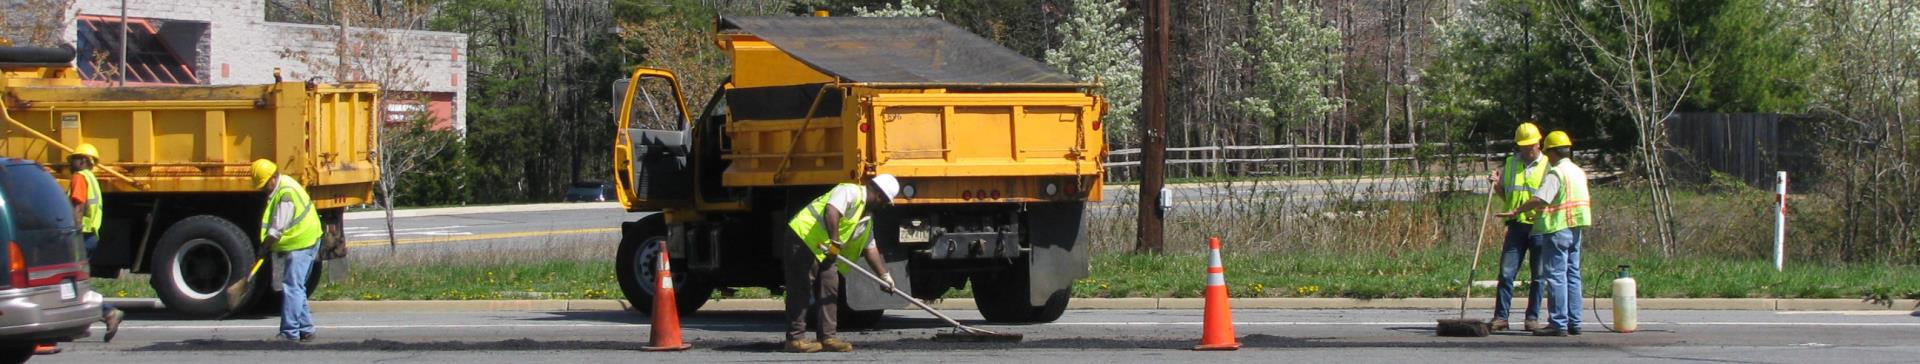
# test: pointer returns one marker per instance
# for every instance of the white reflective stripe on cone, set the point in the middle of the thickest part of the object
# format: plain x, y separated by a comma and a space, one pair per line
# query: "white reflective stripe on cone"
1216, 279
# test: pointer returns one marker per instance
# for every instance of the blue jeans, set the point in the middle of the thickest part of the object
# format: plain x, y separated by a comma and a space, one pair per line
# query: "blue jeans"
1576, 285
92, 241
1560, 291
296, 319
1519, 248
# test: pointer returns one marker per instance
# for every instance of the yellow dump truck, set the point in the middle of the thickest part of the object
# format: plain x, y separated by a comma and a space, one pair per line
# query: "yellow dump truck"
178, 200
997, 155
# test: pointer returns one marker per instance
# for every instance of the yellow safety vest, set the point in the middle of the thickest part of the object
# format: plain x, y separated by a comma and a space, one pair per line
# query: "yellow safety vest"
90, 221
306, 223
1571, 207
1519, 181
806, 224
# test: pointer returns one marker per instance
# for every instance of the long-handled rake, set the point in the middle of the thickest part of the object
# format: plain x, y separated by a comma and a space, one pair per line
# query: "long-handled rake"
962, 331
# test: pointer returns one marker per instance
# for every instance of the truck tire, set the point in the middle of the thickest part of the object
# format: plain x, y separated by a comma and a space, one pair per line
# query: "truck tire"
1004, 297
195, 261
637, 259
13, 353
857, 320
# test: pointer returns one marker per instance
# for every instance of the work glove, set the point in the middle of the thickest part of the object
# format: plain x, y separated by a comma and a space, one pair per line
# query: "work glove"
888, 278
833, 247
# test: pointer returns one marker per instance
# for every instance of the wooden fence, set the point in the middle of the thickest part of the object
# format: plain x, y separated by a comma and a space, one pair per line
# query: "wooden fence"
1301, 159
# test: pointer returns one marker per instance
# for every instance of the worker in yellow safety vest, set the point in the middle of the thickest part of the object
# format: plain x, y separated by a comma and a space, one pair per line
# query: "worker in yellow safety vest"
291, 228
834, 223
1565, 210
83, 190
1515, 182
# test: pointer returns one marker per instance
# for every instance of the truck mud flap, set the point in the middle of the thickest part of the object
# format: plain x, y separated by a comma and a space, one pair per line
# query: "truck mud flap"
864, 295
1060, 250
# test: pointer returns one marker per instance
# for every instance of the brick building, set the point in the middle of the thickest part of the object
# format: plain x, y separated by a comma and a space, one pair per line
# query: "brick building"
220, 42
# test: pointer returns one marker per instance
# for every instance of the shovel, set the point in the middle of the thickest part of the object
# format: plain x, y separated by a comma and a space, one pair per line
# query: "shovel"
963, 332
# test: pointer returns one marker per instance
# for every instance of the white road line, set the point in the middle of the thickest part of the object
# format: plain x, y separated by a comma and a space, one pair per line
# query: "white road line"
419, 229
383, 327
1256, 323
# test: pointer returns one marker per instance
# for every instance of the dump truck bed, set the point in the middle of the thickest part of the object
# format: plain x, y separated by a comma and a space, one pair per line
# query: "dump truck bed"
827, 100
203, 138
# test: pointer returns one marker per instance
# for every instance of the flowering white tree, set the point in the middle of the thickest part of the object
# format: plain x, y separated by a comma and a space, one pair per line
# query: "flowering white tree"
1102, 43
907, 9
1291, 68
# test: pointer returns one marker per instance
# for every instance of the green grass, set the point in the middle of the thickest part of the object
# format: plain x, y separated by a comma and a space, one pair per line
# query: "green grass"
1429, 273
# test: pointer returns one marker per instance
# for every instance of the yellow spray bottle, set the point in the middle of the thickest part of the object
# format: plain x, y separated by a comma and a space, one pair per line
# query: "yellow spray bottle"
1625, 312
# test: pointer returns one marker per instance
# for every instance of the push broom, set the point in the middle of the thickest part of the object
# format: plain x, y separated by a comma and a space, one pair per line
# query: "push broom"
1463, 327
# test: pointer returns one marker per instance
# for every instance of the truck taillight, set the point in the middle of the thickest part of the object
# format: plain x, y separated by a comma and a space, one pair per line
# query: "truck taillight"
1096, 125
866, 127
16, 265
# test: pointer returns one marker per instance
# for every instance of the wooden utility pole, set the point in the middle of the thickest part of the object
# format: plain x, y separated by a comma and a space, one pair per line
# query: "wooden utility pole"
1153, 144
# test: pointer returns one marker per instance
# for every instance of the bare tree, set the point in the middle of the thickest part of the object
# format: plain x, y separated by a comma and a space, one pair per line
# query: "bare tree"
372, 42
1631, 70
38, 23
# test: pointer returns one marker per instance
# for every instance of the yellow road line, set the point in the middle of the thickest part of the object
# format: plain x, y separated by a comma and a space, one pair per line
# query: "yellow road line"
449, 239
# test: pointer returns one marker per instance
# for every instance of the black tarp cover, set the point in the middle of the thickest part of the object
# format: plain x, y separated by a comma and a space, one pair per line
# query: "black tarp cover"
897, 50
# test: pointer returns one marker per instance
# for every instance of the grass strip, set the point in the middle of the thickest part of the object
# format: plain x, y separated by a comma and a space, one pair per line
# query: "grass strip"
1426, 273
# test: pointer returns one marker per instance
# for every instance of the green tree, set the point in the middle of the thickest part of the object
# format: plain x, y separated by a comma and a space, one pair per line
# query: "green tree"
1290, 73
1101, 42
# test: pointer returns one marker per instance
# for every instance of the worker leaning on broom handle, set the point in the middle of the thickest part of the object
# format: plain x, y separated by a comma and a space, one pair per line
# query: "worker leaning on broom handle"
1564, 213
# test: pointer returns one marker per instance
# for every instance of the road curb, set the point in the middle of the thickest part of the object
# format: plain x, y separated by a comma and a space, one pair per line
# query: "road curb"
771, 304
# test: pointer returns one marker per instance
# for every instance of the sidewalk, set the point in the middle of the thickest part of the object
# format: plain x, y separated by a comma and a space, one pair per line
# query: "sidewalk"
767, 304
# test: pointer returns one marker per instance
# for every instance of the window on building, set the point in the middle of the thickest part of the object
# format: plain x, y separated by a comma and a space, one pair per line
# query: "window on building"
151, 56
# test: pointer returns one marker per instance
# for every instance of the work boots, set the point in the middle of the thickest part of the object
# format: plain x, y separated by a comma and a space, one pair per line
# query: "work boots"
1535, 325
1498, 325
113, 319
834, 344
802, 346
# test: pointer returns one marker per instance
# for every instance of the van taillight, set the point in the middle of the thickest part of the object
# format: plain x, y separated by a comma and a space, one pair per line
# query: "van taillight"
16, 265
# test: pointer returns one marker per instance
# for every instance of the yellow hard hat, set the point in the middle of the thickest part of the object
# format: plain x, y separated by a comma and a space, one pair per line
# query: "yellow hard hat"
1527, 135
1558, 139
87, 150
262, 171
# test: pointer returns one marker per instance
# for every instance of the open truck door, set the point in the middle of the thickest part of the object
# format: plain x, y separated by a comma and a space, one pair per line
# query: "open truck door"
651, 166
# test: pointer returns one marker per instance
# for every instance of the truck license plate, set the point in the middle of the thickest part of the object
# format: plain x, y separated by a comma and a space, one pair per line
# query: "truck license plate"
67, 291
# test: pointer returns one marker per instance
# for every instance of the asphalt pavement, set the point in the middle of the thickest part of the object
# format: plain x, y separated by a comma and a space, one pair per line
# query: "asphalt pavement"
1081, 336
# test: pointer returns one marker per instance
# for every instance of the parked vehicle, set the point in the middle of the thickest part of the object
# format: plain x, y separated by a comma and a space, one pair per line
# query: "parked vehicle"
591, 191
44, 295
178, 202
997, 156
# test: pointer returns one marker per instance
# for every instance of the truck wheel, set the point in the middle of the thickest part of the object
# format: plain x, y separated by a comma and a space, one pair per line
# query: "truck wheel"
195, 261
638, 258
16, 353
857, 320
1004, 297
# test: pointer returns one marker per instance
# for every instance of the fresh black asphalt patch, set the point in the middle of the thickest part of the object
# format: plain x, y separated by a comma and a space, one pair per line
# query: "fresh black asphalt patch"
1256, 341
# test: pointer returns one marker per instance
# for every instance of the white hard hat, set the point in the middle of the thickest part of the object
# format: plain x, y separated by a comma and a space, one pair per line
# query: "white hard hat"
888, 186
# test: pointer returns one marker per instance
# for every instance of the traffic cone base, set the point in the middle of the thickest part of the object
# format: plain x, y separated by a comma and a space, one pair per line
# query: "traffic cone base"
1217, 330
666, 317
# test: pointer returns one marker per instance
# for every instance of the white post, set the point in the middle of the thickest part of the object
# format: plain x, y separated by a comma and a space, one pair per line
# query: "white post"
1780, 223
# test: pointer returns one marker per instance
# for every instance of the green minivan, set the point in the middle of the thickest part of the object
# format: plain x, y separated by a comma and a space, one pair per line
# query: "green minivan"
44, 295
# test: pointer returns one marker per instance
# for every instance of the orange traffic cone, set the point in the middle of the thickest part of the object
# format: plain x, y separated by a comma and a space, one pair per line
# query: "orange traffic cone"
666, 318
1217, 332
